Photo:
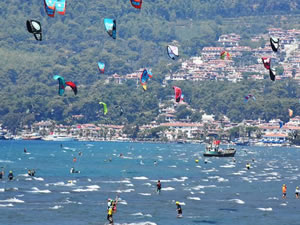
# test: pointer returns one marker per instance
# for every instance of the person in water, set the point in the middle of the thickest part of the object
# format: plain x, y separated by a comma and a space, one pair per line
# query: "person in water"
110, 215
297, 192
1, 175
248, 165
25, 150
179, 209
72, 170
158, 187
31, 172
10, 175
284, 191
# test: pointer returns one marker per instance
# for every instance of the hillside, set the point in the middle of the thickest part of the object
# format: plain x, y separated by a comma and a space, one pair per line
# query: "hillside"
73, 44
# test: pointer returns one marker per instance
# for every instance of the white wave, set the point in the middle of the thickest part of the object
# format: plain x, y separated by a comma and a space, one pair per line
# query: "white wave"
146, 184
182, 179
283, 204
122, 202
145, 194
31, 158
129, 185
61, 183
197, 188
2, 189
194, 198
172, 166
93, 187
7, 205
211, 170
89, 180
116, 182
273, 198
125, 191
238, 201
265, 209
56, 207
65, 192
228, 166
23, 175
137, 214
28, 178
168, 189
38, 178
12, 200
6, 161
140, 223
36, 190
127, 157
221, 179
140, 178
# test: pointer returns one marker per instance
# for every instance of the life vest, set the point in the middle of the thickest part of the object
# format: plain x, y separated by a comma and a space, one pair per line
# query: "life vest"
284, 189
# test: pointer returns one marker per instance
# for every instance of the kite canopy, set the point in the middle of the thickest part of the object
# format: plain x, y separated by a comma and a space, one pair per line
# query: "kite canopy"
172, 52
111, 27
225, 54
248, 97
34, 27
291, 112
136, 3
55, 5
280, 124
144, 78
178, 94
60, 6
121, 109
104, 107
267, 62
101, 67
274, 43
272, 74
73, 86
61, 84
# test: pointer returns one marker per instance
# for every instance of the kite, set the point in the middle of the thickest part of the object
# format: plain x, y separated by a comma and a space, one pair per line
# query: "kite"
111, 27
291, 112
104, 107
121, 109
136, 3
34, 27
248, 97
73, 86
144, 78
178, 94
274, 43
55, 5
281, 124
172, 52
226, 55
61, 84
267, 62
101, 67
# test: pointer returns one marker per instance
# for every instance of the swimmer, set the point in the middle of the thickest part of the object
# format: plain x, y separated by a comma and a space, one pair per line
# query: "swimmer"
297, 192
248, 165
158, 187
10, 175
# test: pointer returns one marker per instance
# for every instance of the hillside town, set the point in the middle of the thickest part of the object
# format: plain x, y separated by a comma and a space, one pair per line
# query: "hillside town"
167, 128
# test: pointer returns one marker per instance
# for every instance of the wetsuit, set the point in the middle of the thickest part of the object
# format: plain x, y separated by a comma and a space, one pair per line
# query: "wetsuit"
10, 176
158, 185
110, 215
297, 191
1, 175
179, 210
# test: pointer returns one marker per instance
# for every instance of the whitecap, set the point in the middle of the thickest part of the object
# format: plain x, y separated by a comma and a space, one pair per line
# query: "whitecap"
197, 188
145, 194
283, 204
265, 209
6, 161
172, 166
28, 178
56, 207
129, 185
194, 198
12, 200
125, 191
168, 189
146, 184
38, 178
7, 205
93, 187
140, 178
36, 190
65, 192
137, 214
228, 166
238, 201
273, 198
123, 202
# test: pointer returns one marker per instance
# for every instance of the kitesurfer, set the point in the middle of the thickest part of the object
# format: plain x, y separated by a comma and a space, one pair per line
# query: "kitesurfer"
284, 191
31, 173
155, 163
25, 150
80, 153
1, 175
297, 192
72, 170
110, 212
248, 165
10, 175
179, 209
158, 187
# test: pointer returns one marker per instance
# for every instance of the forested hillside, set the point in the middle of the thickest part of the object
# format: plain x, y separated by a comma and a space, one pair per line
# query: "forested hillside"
74, 43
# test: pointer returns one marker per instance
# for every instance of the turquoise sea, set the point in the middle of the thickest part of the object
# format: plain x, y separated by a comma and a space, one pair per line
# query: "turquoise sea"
220, 191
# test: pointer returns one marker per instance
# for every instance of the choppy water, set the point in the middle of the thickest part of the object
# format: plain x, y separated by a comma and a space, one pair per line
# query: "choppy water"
219, 192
